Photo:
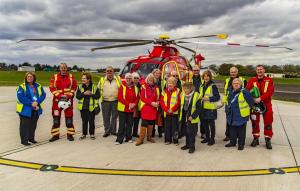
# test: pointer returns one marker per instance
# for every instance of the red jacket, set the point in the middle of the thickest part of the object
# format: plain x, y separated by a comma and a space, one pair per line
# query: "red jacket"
265, 86
130, 97
148, 95
166, 108
63, 85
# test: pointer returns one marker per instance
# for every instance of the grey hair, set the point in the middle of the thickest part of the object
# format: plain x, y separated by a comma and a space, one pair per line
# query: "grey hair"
135, 75
234, 68
238, 80
128, 75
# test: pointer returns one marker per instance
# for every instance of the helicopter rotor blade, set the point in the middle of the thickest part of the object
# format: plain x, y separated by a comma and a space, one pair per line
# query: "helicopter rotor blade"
220, 36
237, 44
123, 45
186, 48
82, 40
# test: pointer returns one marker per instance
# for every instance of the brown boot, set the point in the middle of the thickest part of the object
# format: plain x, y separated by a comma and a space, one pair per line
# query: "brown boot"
142, 136
149, 134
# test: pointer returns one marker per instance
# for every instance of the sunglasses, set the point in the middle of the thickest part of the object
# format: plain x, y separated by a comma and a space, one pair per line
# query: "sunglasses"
195, 70
136, 78
174, 75
109, 71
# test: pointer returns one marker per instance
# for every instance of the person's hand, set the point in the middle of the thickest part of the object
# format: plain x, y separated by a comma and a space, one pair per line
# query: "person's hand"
190, 118
205, 98
257, 100
88, 92
131, 105
34, 104
154, 104
170, 111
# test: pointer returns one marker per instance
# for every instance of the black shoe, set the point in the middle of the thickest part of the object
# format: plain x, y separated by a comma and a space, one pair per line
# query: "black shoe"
204, 141
230, 145
106, 135
70, 138
26, 144
115, 134
255, 142
32, 141
82, 137
191, 150
203, 136
54, 138
226, 139
176, 142
268, 143
185, 147
92, 137
241, 147
211, 142
153, 132
159, 135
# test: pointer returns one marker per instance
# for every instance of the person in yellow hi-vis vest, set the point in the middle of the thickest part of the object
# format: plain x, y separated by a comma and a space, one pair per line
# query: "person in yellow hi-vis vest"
239, 104
170, 102
88, 96
30, 96
209, 94
108, 86
234, 73
190, 106
128, 99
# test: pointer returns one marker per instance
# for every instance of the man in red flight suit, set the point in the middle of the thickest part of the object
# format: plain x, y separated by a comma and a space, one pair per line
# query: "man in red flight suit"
265, 86
63, 86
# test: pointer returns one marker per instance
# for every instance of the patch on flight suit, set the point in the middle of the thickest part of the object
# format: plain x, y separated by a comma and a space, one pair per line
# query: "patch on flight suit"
269, 127
56, 112
253, 117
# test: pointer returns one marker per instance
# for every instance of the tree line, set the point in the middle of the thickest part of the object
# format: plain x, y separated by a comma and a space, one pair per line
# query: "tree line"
46, 67
289, 70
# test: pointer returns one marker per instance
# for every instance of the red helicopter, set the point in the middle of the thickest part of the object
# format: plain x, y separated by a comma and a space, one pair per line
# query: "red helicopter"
164, 54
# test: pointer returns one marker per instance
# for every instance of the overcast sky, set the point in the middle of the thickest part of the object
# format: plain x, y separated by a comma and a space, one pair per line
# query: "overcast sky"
253, 22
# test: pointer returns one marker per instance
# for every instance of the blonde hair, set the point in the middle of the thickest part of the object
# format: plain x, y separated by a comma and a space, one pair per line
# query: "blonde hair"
172, 80
150, 76
208, 73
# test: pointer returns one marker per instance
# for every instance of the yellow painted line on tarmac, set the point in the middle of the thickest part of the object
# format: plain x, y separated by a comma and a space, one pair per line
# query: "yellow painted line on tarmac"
254, 172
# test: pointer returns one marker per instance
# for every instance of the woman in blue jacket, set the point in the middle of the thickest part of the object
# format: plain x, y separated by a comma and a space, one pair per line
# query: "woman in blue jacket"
29, 106
209, 94
239, 104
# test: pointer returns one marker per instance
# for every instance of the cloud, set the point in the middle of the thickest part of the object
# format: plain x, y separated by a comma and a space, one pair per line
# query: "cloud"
256, 22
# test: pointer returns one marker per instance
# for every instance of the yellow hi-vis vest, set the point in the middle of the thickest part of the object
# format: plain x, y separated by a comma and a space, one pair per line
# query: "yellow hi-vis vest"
101, 85
19, 106
243, 105
121, 106
93, 102
141, 103
208, 93
225, 97
196, 97
173, 100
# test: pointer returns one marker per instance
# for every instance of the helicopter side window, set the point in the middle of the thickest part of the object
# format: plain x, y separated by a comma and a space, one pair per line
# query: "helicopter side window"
146, 68
127, 68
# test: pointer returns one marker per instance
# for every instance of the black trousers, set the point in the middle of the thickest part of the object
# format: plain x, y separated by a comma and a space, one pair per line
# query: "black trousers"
182, 125
191, 132
210, 128
202, 129
238, 132
88, 122
136, 121
227, 132
28, 127
125, 126
171, 128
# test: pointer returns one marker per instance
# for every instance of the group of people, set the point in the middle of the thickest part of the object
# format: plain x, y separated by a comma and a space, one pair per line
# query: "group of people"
175, 107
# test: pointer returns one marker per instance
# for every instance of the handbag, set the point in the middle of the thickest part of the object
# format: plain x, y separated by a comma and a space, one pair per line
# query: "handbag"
97, 109
219, 104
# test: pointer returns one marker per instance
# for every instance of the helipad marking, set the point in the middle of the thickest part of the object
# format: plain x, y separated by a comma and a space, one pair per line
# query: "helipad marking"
254, 172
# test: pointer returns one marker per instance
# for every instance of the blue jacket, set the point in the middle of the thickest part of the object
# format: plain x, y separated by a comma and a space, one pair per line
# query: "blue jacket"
234, 117
210, 113
26, 98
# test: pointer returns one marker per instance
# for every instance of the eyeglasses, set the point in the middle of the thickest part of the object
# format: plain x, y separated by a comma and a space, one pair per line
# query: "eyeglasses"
195, 70
175, 76
136, 78
109, 71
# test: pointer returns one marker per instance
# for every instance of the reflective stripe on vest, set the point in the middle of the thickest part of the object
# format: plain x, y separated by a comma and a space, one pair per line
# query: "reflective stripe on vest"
141, 103
19, 106
173, 100
208, 93
93, 102
196, 97
121, 106
265, 88
243, 105
101, 84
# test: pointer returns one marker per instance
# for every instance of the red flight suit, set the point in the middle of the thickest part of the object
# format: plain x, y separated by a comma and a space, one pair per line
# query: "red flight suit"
266, 90
62, 86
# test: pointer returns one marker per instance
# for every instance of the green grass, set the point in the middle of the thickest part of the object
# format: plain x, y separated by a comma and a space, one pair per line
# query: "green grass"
14, 78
